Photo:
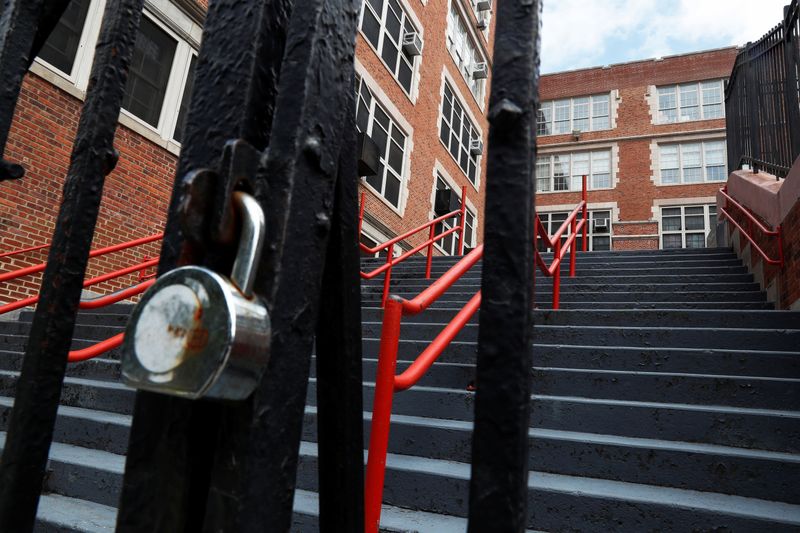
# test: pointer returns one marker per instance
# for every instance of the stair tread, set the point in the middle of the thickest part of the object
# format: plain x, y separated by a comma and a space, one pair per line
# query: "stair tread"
78, 455
617, 490
95, 415
74, 514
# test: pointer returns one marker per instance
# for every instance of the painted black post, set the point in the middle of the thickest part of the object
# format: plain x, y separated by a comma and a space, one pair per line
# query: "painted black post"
174, 440
24, 27
499, 483
299, 174
39, 386
340, 423
791, 64
753, 108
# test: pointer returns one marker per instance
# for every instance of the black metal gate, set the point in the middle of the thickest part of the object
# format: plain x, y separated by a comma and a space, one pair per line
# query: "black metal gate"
212, 466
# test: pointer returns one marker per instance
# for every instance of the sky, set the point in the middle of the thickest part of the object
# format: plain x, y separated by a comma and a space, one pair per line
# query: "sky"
587, 33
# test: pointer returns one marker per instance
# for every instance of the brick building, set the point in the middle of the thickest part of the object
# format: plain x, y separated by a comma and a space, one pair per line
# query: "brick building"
650, 136
423, 70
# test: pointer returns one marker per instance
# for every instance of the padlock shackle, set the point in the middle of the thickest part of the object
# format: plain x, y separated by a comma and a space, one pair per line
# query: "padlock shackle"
251, 241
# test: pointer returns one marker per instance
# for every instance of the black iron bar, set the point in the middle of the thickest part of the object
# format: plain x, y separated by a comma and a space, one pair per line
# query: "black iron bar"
340, 422
499, 483
299, 173
39, 386
174, 440
24, 27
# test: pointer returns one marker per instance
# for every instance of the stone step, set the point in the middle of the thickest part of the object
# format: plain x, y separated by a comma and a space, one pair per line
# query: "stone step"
557, 502
62, 514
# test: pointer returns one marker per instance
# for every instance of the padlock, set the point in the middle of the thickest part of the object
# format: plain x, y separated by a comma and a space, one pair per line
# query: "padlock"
198, 334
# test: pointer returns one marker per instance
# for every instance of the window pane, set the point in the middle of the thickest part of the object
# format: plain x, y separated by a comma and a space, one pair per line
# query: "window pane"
695, 240
600, 112
561, 117
689, 102
601, 181
667, 104
601, 243
61, 47
671, 224
187, 93
672, 241
149, 72
392, 189
695, 222
690, 155
698, 210
371, 27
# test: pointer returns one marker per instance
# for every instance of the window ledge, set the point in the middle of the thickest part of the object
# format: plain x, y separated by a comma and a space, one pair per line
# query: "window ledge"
577, 191
57, 79
148, 133
694, 183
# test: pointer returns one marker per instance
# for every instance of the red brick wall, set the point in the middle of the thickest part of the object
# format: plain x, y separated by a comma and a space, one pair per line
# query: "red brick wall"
135, 194
635, 191
424, 118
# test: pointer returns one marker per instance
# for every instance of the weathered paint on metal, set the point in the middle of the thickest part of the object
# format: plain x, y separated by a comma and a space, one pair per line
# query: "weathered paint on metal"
93, 157
499, 481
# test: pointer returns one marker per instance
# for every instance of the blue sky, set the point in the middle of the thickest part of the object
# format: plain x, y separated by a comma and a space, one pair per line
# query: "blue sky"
586, 33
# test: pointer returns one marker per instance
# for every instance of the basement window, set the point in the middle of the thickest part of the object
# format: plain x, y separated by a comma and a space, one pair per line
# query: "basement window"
686, 226
598, 231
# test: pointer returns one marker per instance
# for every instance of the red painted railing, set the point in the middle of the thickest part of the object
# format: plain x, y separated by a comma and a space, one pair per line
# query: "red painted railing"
749, 232
94, 303
388, 246
387, 382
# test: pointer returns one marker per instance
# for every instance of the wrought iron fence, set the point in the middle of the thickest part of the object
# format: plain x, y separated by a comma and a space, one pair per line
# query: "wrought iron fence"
762, 100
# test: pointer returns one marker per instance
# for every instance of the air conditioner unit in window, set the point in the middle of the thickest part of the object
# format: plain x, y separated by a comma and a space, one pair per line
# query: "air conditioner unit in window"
476, 147
484, 5
412, 43
483, 23
480, 71
600, 224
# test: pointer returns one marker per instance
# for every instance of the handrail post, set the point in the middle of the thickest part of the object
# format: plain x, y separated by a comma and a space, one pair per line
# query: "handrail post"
381, 414
585, 198
557, 275
463, 220
361, 215
387, 278
573, 248
431, 233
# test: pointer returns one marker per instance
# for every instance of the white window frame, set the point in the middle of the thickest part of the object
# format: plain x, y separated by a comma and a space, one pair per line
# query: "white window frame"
394, 123
547, 221
681, 146
572, 186
678, 90
170, 107
470, 240
708, 226
549, 107
84, 55
475, 133
460, 42
413, 22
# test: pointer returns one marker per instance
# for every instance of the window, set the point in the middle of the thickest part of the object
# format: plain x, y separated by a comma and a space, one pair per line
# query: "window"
598, 231
61, 48
449, 244
686, 226
564, 172
457, 133
690, 101
464, 51
384, 23
372, 120
586, 113
692, 162
149, 72
185, 98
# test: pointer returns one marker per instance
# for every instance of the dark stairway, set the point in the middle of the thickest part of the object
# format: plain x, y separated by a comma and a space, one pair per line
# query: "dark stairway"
666, 397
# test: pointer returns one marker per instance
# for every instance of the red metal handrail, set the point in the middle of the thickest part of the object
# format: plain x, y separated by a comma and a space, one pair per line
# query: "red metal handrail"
14, 274
753, 221
387, 382
24, 250
391, 261
94, 303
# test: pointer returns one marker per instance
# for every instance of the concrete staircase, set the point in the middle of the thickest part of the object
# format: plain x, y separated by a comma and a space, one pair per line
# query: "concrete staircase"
666, 397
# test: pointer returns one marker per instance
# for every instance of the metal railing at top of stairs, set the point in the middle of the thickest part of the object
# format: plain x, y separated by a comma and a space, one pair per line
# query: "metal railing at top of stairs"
387, 382
145, 281
752, 223
388, 246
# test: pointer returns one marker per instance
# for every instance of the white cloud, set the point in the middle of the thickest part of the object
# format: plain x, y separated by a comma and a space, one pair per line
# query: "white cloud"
581, 33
